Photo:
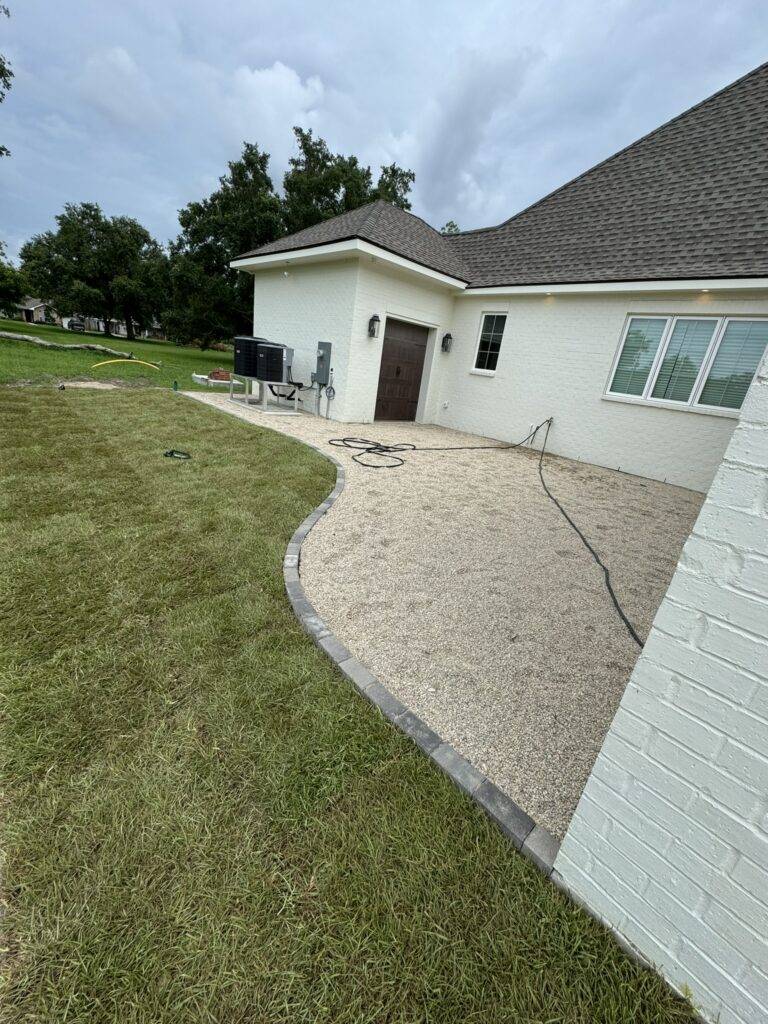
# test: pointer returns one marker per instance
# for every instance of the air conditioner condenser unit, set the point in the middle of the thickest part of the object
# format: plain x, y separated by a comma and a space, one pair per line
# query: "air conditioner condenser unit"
273, 362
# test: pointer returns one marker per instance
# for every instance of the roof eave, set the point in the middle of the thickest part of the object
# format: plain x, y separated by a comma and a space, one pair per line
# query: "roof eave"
700, 284
353, 245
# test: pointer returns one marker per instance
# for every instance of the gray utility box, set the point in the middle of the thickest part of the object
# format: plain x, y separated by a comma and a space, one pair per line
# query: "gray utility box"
322, 374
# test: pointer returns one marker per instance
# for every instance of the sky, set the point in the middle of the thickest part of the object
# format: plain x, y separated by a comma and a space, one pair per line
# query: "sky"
139, 105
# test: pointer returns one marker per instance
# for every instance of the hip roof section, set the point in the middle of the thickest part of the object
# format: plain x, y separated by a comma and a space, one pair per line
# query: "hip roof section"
689, 200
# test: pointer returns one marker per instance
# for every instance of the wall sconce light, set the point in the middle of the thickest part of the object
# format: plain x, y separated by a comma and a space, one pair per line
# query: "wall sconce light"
373, 326
446, 342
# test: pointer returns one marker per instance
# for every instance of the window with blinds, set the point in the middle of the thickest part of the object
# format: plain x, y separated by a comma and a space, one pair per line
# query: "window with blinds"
683, 357
637, 355
707, 362
736, 361
489, 345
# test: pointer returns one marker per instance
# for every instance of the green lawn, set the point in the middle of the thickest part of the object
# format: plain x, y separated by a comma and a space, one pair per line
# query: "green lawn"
20, 361
202, 820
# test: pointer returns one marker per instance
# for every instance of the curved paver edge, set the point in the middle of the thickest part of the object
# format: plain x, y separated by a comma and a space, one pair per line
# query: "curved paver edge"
532, 840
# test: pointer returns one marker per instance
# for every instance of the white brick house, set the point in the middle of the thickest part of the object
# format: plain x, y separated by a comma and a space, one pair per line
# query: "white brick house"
632, 306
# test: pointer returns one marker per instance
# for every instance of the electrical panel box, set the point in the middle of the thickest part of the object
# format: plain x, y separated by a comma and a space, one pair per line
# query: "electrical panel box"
322, 373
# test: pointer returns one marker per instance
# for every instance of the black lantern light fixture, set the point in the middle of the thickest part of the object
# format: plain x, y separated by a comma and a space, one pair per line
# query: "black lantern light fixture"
373, 326
447, 342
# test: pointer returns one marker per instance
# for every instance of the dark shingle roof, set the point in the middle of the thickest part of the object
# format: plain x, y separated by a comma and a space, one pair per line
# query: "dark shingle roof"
688, 200
384, 225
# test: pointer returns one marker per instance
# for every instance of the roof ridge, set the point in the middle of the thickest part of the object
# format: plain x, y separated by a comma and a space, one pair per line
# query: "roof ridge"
624, 149
393, 206
374, 213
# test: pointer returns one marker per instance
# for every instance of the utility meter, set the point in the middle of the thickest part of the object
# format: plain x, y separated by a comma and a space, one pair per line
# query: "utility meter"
322, 372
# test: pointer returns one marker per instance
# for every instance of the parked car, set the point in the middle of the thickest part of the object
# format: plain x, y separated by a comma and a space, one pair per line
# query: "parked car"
76, 325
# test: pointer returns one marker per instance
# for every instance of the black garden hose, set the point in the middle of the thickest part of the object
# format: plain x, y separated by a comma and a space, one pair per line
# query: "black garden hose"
363, 447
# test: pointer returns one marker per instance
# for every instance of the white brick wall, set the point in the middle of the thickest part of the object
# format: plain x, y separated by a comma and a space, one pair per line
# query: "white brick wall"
669, 843
333, 301
398, 295
312, 303
555, 359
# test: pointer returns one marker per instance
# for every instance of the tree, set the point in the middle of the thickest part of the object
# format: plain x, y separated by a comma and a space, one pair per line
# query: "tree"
319, 184
11, 284
209, 300
6, 74
97, 266
393, 186
450, 228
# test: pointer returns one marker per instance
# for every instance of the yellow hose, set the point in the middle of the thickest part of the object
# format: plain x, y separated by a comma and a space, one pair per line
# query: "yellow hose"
140, 361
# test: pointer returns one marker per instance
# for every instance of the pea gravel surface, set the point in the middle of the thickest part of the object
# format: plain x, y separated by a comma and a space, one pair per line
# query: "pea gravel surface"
457, 582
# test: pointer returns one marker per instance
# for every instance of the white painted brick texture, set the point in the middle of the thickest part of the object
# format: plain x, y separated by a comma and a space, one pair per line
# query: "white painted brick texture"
669, 843
555, 360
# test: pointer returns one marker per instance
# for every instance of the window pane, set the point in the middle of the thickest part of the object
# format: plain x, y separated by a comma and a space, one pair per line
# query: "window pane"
640, 347
490, 341
738, 356
683, 358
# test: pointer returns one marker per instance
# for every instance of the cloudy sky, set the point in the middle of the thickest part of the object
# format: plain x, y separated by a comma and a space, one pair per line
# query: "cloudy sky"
138, 105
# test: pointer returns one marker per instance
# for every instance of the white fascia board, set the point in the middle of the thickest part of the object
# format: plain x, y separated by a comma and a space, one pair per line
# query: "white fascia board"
311, 253
720, 284
333, 250
369, 249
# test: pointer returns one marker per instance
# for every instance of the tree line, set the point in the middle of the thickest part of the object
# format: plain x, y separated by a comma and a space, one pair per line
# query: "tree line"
111, 267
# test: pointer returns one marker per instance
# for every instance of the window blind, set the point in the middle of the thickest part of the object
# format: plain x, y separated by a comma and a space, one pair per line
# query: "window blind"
738, 356
640, 347
682, 359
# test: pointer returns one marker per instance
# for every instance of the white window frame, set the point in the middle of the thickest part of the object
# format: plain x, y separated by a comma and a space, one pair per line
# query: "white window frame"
488, 312
691, 404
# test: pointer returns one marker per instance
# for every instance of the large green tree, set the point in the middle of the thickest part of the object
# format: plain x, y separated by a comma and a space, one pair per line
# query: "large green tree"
209, 300
320, 184
106, 267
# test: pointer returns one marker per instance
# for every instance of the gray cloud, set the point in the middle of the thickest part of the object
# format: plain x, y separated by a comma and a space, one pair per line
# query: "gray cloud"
139, 106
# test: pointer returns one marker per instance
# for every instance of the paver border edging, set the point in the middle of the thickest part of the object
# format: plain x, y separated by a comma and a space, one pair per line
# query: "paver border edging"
532, 840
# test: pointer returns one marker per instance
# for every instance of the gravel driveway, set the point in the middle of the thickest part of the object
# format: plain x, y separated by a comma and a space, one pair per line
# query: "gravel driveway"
460, 585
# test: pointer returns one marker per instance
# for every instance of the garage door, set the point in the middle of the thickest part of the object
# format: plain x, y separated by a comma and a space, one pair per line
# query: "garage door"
402, 363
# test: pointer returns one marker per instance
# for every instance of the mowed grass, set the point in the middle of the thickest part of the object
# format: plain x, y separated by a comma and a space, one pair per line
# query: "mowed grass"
202, 821
22, 362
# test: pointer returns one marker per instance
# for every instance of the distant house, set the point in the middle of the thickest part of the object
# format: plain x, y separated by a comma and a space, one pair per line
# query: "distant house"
36, 311
117, 328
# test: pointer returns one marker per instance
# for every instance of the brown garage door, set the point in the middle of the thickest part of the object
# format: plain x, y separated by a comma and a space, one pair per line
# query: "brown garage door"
402, 361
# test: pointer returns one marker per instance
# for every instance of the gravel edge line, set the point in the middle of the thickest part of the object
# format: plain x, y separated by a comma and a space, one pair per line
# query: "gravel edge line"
533, 841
